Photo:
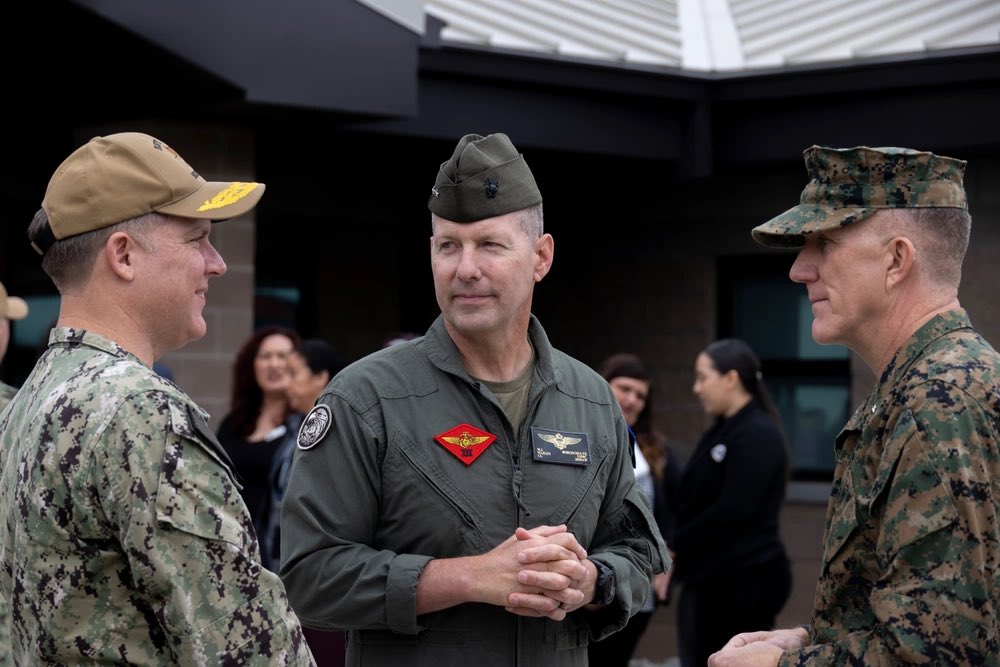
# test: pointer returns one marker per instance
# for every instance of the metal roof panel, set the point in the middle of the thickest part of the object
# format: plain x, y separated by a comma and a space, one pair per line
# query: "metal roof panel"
718, 35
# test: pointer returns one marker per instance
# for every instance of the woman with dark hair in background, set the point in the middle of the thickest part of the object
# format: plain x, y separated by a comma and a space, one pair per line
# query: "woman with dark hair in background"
257, 422
657, 472
729, 557
311, 365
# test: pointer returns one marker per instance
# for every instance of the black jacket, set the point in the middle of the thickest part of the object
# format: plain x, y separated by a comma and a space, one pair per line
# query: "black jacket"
730, 496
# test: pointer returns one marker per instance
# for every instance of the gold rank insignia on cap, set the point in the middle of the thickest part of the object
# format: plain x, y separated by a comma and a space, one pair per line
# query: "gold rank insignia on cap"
465, 442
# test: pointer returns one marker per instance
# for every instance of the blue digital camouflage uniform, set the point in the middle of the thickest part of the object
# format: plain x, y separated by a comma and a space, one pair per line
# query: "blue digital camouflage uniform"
911, 563
124, 538
6, 394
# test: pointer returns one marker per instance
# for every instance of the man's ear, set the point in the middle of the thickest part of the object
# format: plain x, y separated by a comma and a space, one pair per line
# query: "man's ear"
544, 249
898, 262
119, 253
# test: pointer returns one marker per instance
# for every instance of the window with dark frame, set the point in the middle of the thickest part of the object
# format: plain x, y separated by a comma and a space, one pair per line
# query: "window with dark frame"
810, 383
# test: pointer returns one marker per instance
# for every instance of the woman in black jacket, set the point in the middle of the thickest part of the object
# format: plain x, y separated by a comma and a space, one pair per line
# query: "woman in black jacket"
729, 557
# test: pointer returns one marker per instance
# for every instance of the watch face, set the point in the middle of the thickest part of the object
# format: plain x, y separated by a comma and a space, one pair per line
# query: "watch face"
604, 591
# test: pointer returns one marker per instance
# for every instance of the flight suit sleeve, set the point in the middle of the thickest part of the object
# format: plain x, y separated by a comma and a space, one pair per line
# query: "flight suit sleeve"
336, 578
188, 539
627, 540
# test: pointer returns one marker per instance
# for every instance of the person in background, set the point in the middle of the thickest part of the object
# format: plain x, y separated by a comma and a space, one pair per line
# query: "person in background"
658, 473
911, 556
729, 557
312, 363
11, 308
256, 426
124, 538
467, 497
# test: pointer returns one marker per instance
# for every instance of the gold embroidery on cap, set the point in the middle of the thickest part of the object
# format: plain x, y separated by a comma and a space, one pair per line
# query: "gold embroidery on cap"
232, 194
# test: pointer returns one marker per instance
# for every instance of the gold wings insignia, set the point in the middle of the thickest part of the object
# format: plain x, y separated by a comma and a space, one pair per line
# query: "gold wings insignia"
465, 440
559, 440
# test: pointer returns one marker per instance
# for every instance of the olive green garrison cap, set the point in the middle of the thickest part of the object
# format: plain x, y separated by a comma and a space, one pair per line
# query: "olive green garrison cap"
485, 177
850, 184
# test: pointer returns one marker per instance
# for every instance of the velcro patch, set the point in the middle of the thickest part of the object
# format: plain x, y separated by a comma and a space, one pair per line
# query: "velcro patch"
314, 427
465, 442
564, 447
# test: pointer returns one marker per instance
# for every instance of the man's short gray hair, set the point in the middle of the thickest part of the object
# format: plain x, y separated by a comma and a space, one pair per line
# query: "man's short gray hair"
941, 237
69, 261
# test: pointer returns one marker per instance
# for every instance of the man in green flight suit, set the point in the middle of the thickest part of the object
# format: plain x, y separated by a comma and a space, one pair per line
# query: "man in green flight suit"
911, 557
468, 497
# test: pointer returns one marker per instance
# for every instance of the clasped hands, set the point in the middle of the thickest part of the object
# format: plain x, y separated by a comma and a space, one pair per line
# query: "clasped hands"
543, 571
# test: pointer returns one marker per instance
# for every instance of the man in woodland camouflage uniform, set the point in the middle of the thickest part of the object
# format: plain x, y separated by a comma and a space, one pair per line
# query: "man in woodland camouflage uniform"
124, 538
911, 559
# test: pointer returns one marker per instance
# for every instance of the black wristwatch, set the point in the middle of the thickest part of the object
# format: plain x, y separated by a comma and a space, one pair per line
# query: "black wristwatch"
606, 585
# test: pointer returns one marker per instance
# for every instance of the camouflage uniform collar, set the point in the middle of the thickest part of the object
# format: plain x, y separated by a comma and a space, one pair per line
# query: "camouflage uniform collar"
934, 328
69, 337
906, 355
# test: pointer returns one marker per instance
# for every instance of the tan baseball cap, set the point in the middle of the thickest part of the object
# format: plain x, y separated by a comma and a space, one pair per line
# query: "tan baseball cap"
12, 307
122, 176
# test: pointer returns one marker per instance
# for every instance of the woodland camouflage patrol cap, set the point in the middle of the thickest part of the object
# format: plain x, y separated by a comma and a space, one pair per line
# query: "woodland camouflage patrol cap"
485, 177
850, 184
123, 176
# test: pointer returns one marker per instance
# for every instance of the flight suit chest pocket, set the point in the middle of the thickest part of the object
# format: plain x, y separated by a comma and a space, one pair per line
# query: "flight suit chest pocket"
410, 472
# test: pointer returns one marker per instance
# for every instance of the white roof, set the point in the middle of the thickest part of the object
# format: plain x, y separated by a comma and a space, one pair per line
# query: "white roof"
718, 35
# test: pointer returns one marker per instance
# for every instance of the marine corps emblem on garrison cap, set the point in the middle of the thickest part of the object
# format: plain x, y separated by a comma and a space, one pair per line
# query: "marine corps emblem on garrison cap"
314, 427
491, 186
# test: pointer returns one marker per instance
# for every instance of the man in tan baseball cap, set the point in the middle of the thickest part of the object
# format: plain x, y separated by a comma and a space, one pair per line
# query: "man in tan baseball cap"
11, 308
124, 234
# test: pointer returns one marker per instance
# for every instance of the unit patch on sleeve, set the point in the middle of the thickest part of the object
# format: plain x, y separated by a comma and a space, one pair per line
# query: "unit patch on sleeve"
465, 442
314, 427
564, 447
